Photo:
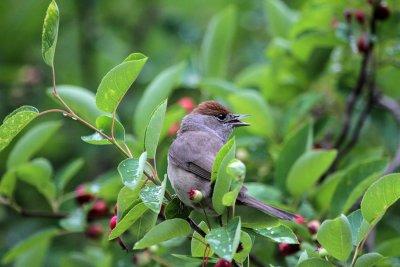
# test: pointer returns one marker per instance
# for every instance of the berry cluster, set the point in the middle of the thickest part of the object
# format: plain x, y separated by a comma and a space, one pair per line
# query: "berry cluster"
380, 12
98, 210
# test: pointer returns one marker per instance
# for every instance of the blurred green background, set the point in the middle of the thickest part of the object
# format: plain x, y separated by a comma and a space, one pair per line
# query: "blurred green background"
299, 58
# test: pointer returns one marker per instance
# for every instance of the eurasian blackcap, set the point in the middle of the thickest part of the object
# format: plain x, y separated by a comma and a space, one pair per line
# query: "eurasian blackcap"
190, 159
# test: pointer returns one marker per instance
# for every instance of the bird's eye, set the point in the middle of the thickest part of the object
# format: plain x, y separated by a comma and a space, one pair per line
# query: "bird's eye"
221, 116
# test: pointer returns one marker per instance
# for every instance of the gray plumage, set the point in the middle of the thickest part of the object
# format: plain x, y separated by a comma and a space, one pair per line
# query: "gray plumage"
202, 134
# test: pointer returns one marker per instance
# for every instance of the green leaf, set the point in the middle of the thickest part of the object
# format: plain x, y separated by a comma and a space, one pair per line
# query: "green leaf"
279, 233
131, 170
146, 222
104, 123
359, 227
7, 184
75, 222
253, 218
217, 43
225, 240
80, 100
390, 247
306, 171
219, 175
152, 196
156, 92
67, 173
176, 209
298, 143
153, 129
237, 170
117, 81
335, 236
50, 33
198, 243
38, 173
324, 193
280, 18
14, 123
252, 103
314, 262
369, 260
123, 224
127, 198
164, 231
247, 244
380, 196
31, 142
28, 244
342, 199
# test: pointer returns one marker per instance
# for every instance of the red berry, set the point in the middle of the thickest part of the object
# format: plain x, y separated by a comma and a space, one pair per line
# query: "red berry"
223, 263
360, 16
113, 222
382, 11
299, 219
187, 103
348, 14
173, 129
363, 44
82, 196
288, 249
99, 209
313, 226
94, 231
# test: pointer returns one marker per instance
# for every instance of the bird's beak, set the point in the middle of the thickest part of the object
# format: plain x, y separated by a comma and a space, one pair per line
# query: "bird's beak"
236, 120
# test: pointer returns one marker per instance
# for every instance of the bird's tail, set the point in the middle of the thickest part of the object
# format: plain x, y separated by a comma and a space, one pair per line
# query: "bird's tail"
275, 212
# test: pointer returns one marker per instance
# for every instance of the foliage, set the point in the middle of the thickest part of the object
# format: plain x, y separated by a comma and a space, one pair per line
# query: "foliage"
320, 91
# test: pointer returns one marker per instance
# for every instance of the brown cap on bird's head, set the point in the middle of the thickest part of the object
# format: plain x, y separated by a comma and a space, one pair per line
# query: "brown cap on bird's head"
211, 108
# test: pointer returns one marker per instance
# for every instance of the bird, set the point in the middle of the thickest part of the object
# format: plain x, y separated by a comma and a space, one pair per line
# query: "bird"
191, 156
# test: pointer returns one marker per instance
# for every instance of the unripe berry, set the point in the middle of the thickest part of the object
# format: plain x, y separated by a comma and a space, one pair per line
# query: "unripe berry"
98, 210
313, 226
223, 263
113, 222
81, 196
195, 195
288, 249
382, 11
187, 103
360, 16
299, 219
94, 231
348, 15
363, 44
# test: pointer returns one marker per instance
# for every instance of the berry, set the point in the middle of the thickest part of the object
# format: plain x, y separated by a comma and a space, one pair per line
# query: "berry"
382, 11
173, 129
99, 209
195, 195
299, 219
223, 263
187, 103
363, 44
313, 226
94, 231
82, 196
348, 15
360, 16
113, 222
288, 249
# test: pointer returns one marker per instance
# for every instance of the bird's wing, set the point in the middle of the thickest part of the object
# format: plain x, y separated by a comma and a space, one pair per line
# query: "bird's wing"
195, 152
